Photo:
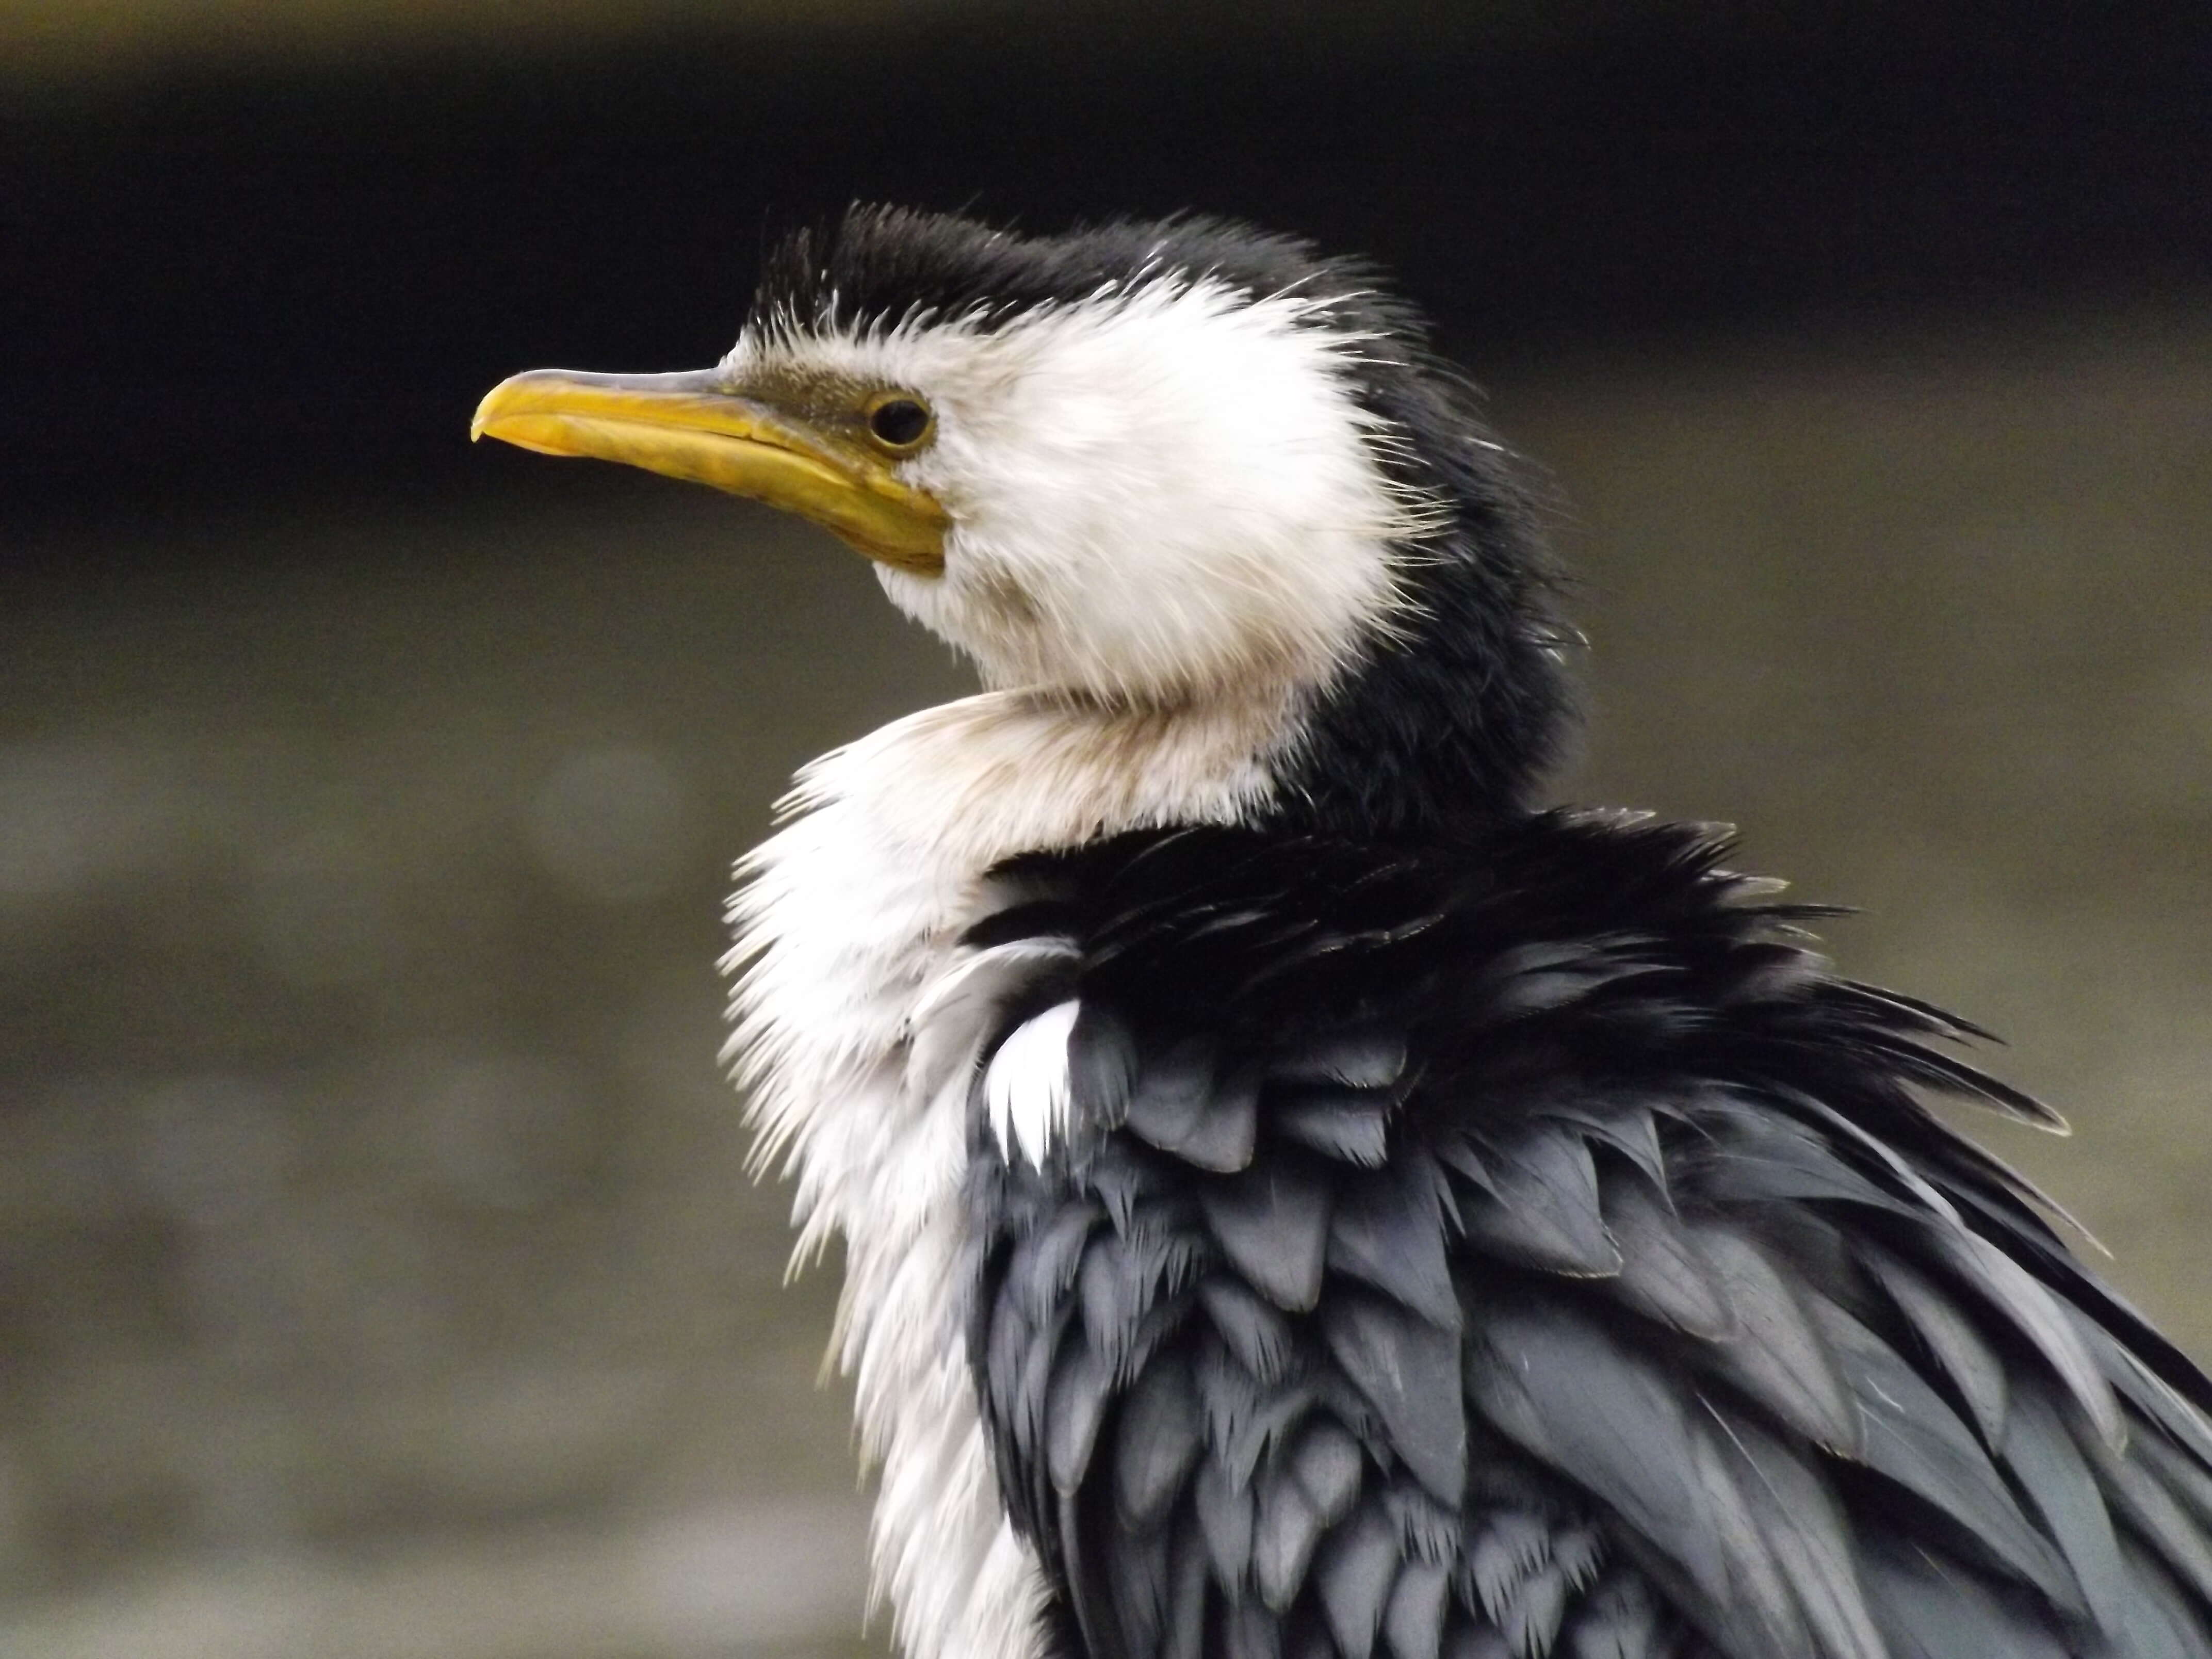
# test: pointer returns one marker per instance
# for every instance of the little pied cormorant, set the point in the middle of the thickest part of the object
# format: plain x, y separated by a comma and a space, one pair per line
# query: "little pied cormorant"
1300, 1199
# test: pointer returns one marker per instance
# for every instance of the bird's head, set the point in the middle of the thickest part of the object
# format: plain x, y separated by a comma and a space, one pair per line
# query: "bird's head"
1158, 466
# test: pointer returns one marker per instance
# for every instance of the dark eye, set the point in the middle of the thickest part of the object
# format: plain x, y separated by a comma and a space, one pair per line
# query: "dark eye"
899, 422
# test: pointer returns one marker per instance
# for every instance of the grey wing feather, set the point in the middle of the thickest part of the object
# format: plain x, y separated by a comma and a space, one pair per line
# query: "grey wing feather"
1773, 1350
1961, 1351
1542, 1206
1387, 1231
1287, 1526
1663, 1275
1370, 1058
2046, 1463
1350, 1126
1161, 1436
1626, 1378
1810, 1539
1609, 1422
1256, 1332
2033, 1310
1182, 1105
1225, 1514
1075, 1408
1927, 1609
1619, 1621
1354, 1574
1327, 1464
1413, 1622
1915, 1439
1409, 1370
2142, 1492
1273, 1224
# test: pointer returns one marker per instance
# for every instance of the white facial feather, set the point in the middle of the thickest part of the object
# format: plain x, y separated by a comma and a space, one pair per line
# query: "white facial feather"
1168, 535
1156, 494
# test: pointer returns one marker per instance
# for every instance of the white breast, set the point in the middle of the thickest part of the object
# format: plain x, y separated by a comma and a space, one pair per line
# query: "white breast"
858, 1020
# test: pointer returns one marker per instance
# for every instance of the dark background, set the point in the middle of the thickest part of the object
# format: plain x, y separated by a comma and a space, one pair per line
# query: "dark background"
378, 1270
232, 271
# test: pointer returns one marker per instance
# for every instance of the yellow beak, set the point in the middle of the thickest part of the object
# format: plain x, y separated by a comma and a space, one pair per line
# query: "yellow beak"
693, 426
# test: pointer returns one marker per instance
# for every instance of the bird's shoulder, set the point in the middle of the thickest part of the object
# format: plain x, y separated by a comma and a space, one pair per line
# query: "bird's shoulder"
1528, 1245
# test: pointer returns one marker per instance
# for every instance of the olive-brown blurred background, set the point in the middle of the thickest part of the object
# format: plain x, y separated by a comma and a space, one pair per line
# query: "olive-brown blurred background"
379, 1276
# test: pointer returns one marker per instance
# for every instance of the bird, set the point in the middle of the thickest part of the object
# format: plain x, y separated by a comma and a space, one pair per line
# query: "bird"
1303, 1193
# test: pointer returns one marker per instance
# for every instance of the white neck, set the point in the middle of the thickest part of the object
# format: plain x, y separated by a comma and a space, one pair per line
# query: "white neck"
848, 918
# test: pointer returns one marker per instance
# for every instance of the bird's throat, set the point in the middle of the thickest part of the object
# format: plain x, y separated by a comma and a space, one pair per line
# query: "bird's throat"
971, 783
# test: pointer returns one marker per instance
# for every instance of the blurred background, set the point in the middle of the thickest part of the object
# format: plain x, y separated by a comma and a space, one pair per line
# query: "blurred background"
379, 1277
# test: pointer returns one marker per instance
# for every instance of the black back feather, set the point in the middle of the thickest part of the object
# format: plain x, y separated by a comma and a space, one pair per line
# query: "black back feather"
1525, 1247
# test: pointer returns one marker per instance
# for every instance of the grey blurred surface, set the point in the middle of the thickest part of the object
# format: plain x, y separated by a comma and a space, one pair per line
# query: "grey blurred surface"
379, 1274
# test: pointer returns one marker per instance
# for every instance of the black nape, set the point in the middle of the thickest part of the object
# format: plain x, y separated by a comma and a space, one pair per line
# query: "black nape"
1457, 715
